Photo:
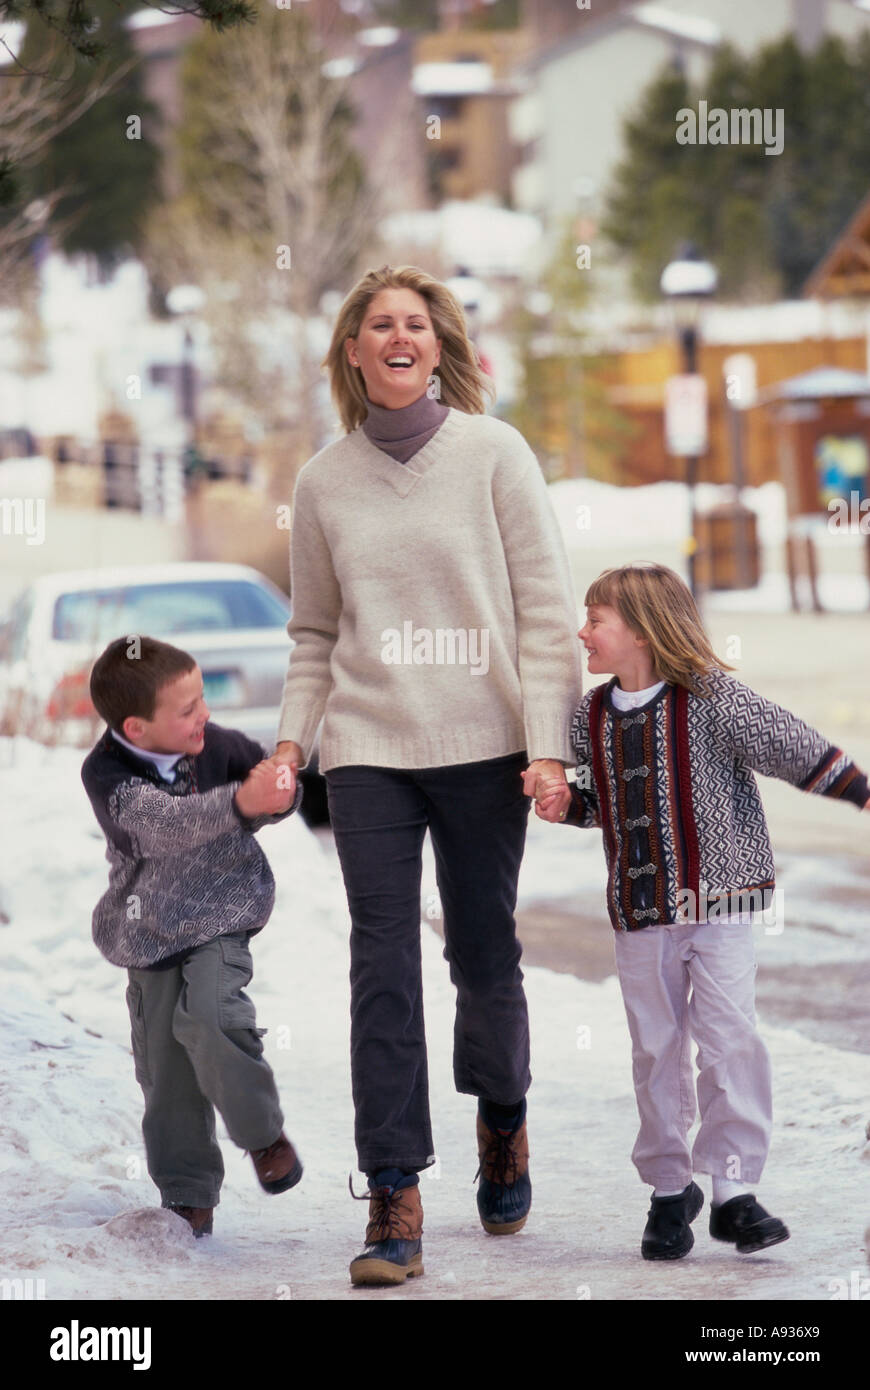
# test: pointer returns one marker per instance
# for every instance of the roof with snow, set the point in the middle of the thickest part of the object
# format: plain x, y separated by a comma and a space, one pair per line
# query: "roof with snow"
660, 20
452, 79
818, 383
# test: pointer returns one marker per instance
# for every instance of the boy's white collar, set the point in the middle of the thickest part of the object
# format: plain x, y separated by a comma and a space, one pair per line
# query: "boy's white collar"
164, 762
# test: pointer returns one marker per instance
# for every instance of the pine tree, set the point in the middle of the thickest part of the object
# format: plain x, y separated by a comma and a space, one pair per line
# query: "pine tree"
764, 219
107, 163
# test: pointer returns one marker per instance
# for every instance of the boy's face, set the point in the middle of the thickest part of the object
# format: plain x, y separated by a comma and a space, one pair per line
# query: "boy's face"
610, 644
180, 717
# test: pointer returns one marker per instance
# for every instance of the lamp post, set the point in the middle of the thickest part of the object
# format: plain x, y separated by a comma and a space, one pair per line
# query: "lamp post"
184, 302
686, 283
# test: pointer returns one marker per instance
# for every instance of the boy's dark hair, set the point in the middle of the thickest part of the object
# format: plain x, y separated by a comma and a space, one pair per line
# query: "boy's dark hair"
129, 675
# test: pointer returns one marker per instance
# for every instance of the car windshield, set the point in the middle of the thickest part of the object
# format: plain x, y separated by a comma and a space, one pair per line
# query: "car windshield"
206, 605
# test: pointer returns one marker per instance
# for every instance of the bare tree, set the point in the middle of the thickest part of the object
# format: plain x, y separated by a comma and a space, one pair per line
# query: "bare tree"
281, 212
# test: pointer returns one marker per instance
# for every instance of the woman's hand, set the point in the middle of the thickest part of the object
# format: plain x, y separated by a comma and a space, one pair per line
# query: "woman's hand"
539, 771
552, 800
287, 754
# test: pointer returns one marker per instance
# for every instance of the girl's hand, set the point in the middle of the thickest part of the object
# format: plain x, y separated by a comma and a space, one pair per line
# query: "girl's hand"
539, 770
552, 800
867, 804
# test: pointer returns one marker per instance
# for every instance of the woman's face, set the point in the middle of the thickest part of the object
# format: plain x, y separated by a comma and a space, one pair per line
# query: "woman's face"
396, 326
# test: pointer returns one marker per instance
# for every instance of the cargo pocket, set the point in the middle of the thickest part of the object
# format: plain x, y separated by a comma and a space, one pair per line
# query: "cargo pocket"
235, 1008
136, 1007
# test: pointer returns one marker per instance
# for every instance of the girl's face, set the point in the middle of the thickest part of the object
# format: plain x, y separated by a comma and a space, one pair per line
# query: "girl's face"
396, 328
611, 646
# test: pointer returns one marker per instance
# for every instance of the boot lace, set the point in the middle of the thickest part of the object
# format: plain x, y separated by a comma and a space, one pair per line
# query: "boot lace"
500, 1161
385, 1217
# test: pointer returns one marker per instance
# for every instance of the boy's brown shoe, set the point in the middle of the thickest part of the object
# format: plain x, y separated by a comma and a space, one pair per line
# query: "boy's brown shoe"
199, 1219
394, 1246
504, 1195
278, 1166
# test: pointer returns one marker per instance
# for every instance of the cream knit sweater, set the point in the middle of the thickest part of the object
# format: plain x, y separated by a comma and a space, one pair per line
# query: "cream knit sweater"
434, 617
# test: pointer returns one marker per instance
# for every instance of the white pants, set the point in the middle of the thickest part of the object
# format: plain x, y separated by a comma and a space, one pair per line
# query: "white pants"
658, 967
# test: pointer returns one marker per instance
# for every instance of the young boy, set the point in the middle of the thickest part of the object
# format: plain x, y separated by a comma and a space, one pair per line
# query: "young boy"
179, 799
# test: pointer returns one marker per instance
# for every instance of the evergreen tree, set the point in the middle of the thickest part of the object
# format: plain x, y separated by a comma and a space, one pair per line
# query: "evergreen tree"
106, 163
764, 219
73, 20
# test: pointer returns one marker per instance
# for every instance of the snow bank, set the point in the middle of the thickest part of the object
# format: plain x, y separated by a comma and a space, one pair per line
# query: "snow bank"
81, 1213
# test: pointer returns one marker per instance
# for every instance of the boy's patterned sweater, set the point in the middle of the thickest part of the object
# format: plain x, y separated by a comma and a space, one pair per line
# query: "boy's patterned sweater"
184, 864
671, 785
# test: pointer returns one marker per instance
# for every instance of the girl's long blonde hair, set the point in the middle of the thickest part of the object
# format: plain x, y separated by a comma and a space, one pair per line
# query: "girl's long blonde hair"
462, 381
655, 603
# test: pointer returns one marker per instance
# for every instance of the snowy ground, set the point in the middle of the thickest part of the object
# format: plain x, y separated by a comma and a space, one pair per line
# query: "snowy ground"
79, 1210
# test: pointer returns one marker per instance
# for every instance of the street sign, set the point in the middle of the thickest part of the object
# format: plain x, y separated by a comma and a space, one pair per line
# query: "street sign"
686, 415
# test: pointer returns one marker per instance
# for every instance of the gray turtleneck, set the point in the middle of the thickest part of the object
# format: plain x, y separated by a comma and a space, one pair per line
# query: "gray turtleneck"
400, 433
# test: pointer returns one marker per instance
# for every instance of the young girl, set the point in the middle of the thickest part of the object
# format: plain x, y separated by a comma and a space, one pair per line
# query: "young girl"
666, 752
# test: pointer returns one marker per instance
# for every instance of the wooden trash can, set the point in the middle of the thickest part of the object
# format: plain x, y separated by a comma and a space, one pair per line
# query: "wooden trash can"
728, 555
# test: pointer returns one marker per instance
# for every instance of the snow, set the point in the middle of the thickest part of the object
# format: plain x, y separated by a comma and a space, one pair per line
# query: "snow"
683, 26
603, 525
84, 1214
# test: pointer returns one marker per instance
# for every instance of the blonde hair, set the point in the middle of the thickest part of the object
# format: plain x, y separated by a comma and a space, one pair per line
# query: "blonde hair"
655, 603
462, 380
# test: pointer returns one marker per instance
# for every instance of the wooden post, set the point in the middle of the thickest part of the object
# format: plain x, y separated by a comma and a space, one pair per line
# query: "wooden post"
812, 571
791, 567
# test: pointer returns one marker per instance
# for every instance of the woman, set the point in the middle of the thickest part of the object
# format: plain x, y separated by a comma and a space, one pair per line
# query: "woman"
432, 609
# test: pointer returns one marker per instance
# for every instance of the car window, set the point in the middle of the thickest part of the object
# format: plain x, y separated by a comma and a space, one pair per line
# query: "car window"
214, 605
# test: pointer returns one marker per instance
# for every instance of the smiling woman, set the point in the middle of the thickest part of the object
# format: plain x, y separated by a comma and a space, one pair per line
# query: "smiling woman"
428, 518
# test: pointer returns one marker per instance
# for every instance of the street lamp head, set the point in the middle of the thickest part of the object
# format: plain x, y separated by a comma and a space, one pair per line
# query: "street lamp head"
688, 278
185, 299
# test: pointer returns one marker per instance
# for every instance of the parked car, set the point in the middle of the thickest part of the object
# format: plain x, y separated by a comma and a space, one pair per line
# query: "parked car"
231, 618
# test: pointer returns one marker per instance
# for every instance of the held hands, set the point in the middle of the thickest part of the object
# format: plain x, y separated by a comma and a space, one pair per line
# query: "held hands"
552, 800
287, 754
545, 780
268, 789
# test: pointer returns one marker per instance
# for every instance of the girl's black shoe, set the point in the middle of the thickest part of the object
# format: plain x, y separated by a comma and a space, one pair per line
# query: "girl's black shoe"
668, 1235
744, 1222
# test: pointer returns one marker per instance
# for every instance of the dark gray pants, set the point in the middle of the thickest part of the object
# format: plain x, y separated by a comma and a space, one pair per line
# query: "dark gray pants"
477, 815
197, 1048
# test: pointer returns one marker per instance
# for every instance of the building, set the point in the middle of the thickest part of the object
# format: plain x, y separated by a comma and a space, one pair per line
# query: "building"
584, 79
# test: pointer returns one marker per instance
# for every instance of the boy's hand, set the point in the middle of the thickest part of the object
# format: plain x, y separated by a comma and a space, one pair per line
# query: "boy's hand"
552, 799
287, 753
267, 790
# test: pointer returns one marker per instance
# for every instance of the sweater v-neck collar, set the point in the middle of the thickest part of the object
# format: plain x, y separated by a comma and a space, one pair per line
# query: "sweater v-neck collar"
403, 477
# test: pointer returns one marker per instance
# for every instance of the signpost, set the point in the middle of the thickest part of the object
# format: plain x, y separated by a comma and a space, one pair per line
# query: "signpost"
686, 437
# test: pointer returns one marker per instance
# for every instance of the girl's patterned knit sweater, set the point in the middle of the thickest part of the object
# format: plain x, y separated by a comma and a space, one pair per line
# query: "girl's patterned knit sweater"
671, 785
